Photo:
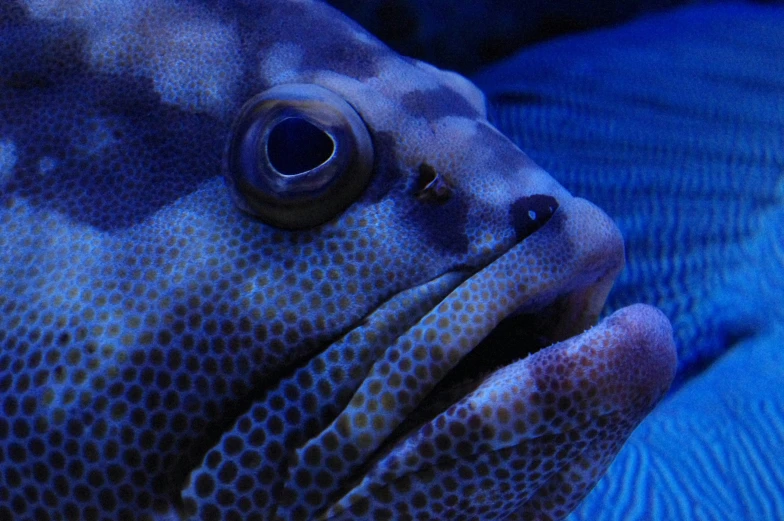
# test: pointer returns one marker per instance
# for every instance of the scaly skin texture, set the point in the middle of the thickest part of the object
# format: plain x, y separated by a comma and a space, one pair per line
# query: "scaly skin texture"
167, 355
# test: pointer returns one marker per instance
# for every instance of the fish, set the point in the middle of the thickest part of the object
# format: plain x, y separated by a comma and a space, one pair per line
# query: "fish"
256, 265
673, 124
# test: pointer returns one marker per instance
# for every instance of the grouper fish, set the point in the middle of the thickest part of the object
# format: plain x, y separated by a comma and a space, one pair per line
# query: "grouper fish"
256, 266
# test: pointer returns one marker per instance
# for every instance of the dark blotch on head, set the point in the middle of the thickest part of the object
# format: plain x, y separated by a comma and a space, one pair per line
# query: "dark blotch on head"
437, 103
352, 59
530, 213
333, 46
117, 187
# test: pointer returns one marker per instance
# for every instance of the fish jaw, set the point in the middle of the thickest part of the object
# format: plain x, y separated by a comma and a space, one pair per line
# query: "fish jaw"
534, 437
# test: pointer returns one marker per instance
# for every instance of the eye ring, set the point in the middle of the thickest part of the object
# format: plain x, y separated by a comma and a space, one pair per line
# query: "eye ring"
297, 155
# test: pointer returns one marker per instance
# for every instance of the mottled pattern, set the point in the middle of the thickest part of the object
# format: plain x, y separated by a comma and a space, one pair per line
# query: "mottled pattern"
166, 354
674, 125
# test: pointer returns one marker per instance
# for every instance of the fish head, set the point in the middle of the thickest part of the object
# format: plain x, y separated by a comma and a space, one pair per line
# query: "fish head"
251, 258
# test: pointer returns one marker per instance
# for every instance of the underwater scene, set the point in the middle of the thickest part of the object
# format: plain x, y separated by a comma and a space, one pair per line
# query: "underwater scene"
273, 260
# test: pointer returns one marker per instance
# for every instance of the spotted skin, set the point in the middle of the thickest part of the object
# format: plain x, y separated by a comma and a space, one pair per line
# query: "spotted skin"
166, 355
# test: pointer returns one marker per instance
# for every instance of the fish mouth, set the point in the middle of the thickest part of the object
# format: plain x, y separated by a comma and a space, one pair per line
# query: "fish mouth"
532, 438
547, 288
536, 379
516, 337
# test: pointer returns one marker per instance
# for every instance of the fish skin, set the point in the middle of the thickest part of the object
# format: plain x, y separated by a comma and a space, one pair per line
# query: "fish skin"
155, 337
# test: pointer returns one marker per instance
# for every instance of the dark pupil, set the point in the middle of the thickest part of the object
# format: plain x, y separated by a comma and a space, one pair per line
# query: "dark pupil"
295, 146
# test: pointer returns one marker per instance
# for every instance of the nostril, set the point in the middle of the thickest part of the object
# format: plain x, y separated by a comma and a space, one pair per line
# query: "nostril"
427, 174
430, 186
531, 212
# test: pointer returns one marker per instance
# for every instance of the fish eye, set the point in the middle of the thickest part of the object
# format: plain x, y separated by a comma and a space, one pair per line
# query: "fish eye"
297, 155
